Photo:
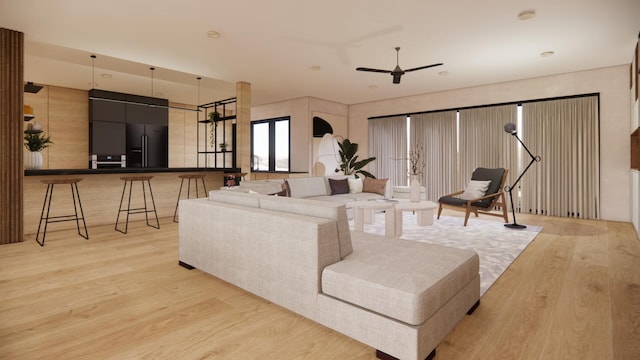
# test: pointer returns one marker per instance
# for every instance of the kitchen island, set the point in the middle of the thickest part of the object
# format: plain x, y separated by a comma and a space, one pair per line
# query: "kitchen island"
101, 191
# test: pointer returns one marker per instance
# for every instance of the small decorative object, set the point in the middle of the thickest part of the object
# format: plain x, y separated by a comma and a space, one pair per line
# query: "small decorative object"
231, 181
224, 146
416, 161
35, 141
349, 163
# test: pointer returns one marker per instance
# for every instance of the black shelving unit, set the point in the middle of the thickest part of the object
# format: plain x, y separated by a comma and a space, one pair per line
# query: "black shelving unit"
224, 131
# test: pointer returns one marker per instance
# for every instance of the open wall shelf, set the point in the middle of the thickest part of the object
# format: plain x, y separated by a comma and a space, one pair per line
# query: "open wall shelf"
216, 135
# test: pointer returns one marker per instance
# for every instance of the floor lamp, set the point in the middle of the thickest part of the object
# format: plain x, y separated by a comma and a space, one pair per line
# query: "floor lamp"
510, 128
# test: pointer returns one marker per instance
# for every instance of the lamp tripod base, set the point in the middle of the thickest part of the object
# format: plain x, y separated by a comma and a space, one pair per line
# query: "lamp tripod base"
515, 226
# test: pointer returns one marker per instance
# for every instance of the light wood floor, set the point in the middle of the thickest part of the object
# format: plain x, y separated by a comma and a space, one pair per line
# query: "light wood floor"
573, 294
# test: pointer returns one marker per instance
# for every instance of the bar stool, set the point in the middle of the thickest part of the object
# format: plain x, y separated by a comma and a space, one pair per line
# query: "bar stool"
73, 183
139, 210
189, 177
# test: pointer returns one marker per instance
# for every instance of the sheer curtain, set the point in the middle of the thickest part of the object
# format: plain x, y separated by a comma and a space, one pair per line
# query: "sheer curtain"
565, 134
483, 142
388, 143
436, 133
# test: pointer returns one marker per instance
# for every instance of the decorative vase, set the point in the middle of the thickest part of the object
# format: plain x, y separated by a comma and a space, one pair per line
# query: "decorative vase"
32, 160
415, 186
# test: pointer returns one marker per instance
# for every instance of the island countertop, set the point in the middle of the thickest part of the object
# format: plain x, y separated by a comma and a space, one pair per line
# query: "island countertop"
121, 170
101, 191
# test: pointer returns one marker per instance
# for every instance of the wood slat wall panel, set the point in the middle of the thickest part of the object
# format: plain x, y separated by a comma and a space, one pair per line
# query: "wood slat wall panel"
11, 140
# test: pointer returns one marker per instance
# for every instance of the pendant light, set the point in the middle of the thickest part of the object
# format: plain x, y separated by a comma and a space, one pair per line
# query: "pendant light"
93, 72
198, 100
152, 69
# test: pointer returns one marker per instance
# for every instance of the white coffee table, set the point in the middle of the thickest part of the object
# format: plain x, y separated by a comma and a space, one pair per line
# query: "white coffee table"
364, 213
423, 209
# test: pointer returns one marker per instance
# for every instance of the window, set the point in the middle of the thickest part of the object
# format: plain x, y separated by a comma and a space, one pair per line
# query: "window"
270, 144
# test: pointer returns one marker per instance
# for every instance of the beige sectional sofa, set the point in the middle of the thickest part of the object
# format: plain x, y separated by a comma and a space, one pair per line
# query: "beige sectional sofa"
315, 188
400, 297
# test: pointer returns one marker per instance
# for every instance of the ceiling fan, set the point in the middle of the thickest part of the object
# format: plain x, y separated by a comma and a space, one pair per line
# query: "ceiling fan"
397, 72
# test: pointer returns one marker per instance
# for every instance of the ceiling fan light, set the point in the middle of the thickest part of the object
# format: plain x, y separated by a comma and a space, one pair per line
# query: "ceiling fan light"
547, 54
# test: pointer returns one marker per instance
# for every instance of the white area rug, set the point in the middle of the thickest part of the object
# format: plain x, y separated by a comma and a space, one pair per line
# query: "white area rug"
496, 245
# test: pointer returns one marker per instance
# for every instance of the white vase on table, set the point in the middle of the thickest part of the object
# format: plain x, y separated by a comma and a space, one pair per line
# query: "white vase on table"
32, 160
415, 187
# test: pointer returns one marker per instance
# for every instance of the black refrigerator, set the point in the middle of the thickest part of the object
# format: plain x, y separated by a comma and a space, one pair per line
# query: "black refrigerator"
147, 146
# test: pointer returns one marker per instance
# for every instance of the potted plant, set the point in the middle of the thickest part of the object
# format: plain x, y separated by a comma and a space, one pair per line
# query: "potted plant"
224, 146
349, 163
35, 142
214, 117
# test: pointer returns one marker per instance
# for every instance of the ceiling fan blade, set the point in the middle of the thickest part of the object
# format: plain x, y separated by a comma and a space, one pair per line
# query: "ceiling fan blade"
424, 67
396, 78
373, 70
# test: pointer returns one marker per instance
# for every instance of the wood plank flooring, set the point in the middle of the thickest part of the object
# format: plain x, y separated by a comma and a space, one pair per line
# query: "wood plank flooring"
574, 293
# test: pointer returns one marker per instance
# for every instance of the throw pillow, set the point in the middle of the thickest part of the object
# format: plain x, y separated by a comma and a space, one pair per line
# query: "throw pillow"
339, 186
355, 185
475, 189
280, 193
376, 186
286, 188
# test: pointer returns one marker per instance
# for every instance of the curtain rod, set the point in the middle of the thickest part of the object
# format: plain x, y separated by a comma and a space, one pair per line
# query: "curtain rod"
482, 106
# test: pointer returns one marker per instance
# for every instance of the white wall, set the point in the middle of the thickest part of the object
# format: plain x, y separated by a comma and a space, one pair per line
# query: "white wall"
612, 83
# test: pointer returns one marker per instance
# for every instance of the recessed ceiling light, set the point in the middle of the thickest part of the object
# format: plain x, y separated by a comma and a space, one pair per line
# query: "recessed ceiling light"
106, 76
213, 34
547, 54
373, 86
315, 67
526, 15
443, 73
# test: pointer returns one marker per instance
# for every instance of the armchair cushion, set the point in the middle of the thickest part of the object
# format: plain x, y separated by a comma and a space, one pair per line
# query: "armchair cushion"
475, 189
495, 175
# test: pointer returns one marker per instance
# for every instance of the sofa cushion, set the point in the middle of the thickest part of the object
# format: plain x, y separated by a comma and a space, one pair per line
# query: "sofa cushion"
355, 185
269, 186
322, 209
405, 280
376, 186
235, 197
307, 187
339, 186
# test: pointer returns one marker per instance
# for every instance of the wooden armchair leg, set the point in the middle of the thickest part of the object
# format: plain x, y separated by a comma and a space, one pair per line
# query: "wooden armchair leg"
466, 216
504, 209
439, 211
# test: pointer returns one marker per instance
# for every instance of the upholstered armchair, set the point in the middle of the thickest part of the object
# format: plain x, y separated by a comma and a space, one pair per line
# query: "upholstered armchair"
484, 192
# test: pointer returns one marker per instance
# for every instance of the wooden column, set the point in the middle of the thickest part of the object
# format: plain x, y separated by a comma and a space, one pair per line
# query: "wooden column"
243, 125
11, 141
